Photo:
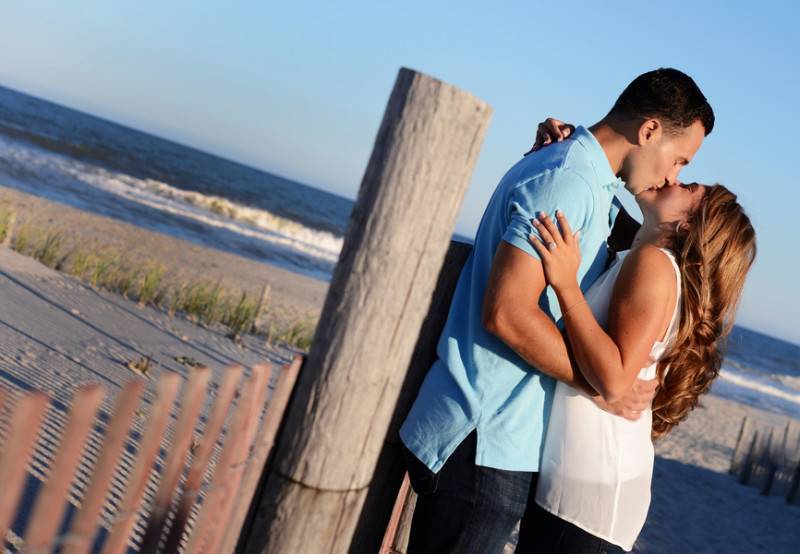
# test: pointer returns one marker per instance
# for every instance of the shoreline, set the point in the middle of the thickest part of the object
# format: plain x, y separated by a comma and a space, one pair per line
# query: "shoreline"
291, 294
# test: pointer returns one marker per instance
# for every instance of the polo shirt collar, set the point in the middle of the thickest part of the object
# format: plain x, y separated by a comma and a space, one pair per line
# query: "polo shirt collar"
602, 168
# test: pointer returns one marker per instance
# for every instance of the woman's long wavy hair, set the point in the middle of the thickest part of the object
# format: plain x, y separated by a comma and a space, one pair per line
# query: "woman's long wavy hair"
714, 256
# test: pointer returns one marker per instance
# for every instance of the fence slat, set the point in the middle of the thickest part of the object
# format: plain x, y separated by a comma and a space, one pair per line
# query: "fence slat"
262, 450
394, 521
84, 526
738, 451
794, 485
51, 501
227, 474
749, 461
199, 466
22, 433
193, 398
232, 492
128, 510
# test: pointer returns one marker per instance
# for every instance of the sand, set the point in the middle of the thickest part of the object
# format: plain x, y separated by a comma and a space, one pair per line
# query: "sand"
698, 507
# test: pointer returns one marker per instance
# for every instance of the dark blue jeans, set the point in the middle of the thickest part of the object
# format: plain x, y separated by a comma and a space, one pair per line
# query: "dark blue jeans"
473, 509
465, 508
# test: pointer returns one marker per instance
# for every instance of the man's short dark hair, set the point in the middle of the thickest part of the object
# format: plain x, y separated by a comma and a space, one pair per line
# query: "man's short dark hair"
668, 95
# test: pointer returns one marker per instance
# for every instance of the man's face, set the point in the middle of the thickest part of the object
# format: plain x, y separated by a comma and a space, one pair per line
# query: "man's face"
659, 157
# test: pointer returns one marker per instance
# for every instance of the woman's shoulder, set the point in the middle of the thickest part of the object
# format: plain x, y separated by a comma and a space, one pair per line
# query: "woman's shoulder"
650, 265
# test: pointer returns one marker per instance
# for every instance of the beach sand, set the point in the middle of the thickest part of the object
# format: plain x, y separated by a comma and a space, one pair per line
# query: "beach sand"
698, 506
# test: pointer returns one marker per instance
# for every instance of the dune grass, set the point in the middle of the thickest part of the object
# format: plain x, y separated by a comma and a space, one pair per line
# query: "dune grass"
202, 302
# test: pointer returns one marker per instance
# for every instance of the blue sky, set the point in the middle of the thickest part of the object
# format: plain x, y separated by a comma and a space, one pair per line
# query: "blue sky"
298, 88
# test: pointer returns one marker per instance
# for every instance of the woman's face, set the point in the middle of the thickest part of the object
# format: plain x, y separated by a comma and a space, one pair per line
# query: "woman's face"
671, 204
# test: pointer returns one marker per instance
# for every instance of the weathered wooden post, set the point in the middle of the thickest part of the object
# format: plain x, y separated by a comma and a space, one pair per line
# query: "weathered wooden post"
739, 450
746, 470
794, 485
383, 491
399, 231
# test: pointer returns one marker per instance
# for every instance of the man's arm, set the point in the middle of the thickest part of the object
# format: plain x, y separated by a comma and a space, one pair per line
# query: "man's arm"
512, 313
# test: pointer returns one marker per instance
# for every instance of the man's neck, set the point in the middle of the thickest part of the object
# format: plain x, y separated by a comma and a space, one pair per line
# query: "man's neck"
614, 144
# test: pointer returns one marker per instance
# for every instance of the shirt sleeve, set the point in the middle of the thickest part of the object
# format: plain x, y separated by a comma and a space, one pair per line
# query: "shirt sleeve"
560, 189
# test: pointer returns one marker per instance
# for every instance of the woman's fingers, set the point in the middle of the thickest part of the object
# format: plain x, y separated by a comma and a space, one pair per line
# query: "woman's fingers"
543, 137
538, 246
544, 232
551, 228
563, 224
554, 127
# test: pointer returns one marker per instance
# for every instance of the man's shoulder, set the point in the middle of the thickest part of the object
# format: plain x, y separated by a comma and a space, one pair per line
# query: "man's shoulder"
566, 160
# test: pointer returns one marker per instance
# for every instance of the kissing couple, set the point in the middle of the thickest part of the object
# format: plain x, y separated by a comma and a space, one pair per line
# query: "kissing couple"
562, 360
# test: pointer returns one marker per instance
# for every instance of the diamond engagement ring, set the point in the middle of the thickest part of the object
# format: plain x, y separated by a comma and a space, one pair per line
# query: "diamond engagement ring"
551, 245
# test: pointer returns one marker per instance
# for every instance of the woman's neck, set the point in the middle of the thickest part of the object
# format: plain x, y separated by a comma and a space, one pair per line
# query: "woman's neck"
656, 235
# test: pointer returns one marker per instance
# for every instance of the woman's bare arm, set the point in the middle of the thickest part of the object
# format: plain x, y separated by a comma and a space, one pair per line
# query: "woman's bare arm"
638, 316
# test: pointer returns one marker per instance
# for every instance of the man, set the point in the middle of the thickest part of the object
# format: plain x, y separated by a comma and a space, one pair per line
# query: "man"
476, 429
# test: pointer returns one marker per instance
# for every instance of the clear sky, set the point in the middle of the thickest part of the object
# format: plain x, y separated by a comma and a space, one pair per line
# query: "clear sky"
298, 88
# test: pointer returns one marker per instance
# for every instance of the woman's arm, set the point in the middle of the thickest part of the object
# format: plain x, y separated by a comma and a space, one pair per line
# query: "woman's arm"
638, 315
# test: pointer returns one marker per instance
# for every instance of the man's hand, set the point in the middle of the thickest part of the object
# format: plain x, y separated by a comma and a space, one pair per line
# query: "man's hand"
639, 398
550, 130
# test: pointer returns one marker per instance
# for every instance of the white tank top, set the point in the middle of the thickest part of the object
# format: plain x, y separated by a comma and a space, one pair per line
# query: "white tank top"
596, 468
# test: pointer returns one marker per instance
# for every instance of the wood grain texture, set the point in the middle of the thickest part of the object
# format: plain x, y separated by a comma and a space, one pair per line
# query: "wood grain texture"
380, 293
390, 468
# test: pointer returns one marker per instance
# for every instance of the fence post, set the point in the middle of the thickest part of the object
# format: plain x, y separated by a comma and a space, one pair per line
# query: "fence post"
390, 467
749, 461
399, 230
794, 485
738, 451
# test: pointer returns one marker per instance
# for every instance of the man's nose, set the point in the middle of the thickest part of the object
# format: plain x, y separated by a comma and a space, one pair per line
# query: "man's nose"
671, 182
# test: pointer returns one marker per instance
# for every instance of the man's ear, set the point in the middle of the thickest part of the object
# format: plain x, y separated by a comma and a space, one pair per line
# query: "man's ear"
649, 131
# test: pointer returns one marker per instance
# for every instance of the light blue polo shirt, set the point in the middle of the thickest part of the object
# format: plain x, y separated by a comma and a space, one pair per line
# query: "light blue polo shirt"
478, 382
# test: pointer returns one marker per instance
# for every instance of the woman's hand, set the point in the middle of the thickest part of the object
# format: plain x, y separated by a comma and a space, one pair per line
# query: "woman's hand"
550, 130
559, 250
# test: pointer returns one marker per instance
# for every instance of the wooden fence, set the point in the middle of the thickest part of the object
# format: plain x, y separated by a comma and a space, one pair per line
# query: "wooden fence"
190, 511
768, 458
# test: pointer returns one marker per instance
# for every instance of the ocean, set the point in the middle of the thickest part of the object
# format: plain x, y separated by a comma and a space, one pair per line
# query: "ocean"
106, 168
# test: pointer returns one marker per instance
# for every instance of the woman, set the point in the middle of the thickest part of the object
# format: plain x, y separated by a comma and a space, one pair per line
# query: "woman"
659, 311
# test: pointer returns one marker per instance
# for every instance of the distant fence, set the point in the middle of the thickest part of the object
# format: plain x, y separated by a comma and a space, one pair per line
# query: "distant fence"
191, 511
768, 457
